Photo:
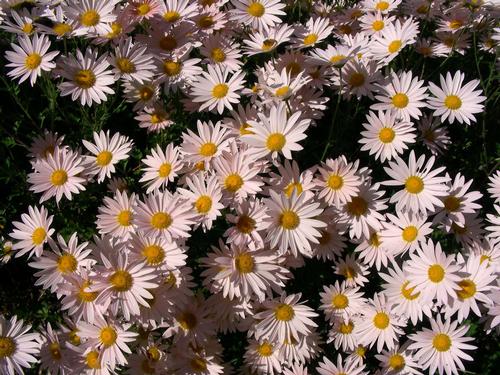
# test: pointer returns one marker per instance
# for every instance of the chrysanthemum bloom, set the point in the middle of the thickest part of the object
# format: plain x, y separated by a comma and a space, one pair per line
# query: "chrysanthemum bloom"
263, 356
374, 23
374, 252
157, 252
131, 62
352, 270
433, 134
57, 175
161, 167
395, 36
285, 318
383, 6
94, 16
116, 215
17, 347
266, 41
248, 223
333, 56
358, 78
341, 302
452, 101
45, 144
260, 14
175, 11
33, 232
327, 367
218, 50
282, 85
398, 360
423, 188
441, 348
313, 32
22, 22
154, 119
29, 59
55, 357
87, 77
341, 334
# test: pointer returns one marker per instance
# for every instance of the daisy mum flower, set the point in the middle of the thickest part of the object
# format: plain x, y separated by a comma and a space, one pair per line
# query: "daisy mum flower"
341, 302
93, 16
30, 58
260, 14
327, 367
395, 36
161, 167
130, 61
452, 101
116, 215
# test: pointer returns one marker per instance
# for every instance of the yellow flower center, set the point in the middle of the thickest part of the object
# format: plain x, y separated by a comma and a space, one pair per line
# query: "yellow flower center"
378, 25
293, 68
67, 263
245, 224
92, 360
153, 354
84, 295
33, 61
205, 22
38, 236
289, 220
410, 233
346, 329
161, 220
484, 258
121, 281
375, 240
58, 177
386, 135
284, 312
357, 79
467, 289
233, 182
400, 100
218, 55
198, 364
187, 321
268, 44
310, 39
171, 68
265, 349
357, 206
28, 28
452, 102
408, 292
164, 170
293, 186
245, 129
145, 93
414, 184
381, 320
7, 347
335, 182
256, 9
244, 263
349, 273
171, 16
220, 90
85, 78
441, 342
203, 204
156, 118
208, 149
282, 91
361, 351
142, 9
275, 141
455, 24
116, 29
397, 362
154, 254
108, 336
435, 273
61, 28
394, 46
55, 351
125, 65
451, 203
74, 338
90, 18
337, 58
340, 301
103, 158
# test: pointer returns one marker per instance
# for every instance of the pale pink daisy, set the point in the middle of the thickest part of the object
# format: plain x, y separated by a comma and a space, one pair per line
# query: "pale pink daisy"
161, 167
116, 215
259, 14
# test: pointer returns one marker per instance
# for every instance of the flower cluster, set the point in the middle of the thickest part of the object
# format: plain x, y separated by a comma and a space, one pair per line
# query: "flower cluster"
130, 297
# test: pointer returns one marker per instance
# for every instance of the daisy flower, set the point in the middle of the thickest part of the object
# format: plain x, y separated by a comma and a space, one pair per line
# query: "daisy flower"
87, 75
352, 270
249, 223
143, 94
398, 360
341, 302
131, 62
30, 58
333, 56
259, 14
161, 167
18, 348
94, 16
433, 134
54, 357
22, 22
433, 273
313, 32
178, 73
327, 367
384, 6
154, 118
395, 36
263, 357
374, 23
277, 132
216, 89
423, 187
222, 52
157, 252
282, 86
33, 232
358, 78
116, 215
284, 318
57, 175
342, 335
144, 9
45, 144
374, 252
107, 152
441, 348
266, 41
453, 101
175, 11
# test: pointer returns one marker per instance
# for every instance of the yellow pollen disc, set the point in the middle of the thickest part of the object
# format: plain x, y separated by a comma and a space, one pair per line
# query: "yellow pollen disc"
310, 39
375, 240
282, 91
167, 43
244, 263
386, 135
218, 55
284, 312
84, 295
125, 65
205, 22
400, 100
104, 158
414, 184
382, 5
265, 349
394, 46
452, 102
153, 354
349, 273
108, 336
410, 233
357, 206
408, 292
85, 78
357, 79
7, 347
38, 236
74, 338
256, 9
484, 258
171, 16
441, 342
275, 141
220, 90
164, 170
467, 289
233, 182
145, 93
90, 18
245, 224
268, 44
381, 320
187, 321
378, 25
346, 329
293, 186
335, 182
67, 263
156, 118
61, 28
203, 204
451, 203
208, 149
121, 281
116, 29
397, 362
124, 218
244, 129
92, 360
154, 254
33, 61
171, 68
455, 24
58, 177
436, 273
55, 351
198, 364
289, 220
340, 301
200, 166
161, 220
337, 59
142, 9
361, 351
28, 28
